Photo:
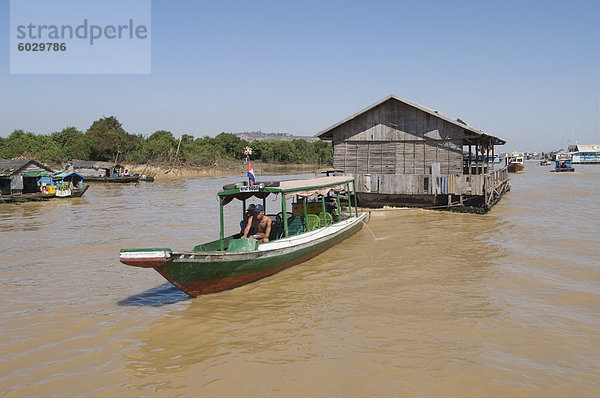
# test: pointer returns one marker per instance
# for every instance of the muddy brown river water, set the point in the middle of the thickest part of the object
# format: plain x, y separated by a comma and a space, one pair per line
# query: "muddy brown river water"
430, 304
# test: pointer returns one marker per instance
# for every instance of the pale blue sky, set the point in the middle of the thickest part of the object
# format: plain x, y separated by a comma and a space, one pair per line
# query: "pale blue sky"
525, 71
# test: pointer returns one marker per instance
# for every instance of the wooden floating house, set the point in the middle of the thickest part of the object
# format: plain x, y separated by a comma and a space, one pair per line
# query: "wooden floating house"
19, 177
404, 154
91, 169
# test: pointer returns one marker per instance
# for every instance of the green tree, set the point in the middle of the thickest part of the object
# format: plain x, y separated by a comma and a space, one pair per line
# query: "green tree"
161, 146
139, 154
230, 145
108, 137
187, 139
284, 152
18, 144
324, 153
200, 152
28, 145
45, 150
73, 144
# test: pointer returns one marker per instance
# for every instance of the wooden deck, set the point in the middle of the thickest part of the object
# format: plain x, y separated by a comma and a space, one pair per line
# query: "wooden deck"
495, 184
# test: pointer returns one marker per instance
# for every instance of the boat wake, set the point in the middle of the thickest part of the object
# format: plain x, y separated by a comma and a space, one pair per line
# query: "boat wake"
372, 234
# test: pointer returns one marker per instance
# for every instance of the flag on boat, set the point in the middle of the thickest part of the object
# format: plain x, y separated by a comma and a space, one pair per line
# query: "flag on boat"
251, 177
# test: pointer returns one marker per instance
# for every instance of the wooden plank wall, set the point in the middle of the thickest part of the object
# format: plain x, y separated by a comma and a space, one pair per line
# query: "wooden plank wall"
392, 148
405, 157
367, 157
396, 121
90, 172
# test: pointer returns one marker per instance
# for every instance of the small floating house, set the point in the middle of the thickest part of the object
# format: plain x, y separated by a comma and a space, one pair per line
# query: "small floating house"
404, 154
21, 176
90, 169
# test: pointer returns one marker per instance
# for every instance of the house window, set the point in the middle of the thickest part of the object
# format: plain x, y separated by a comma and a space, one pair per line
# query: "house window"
426, 184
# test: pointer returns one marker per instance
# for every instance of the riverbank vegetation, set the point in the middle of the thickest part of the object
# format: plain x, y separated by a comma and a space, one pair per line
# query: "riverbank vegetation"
106, 138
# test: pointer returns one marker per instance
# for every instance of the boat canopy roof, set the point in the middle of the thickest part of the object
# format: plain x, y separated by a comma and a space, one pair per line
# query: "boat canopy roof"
303, 188
65, 174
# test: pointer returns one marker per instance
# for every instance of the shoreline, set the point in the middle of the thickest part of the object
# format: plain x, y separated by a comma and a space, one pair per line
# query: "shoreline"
167, 172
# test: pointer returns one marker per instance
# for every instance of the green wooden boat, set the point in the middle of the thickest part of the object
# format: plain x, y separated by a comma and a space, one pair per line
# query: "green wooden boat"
232, 261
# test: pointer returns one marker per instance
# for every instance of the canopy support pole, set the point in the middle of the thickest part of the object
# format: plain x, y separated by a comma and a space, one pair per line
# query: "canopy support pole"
348, 195
244, 209
355, 199
324, 214
339, 207
305, 214
284, 215
222, 233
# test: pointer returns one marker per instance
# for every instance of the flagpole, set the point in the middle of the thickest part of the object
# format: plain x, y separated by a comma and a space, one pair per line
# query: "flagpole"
251, 178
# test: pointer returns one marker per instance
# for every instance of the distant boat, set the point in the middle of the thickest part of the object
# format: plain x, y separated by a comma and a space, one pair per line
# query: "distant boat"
545, 162
69, 185
563, 165
121, 179
145, 178
516, 164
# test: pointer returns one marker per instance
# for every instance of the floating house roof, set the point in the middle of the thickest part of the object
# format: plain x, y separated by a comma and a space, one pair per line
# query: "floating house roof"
91, 164
470, 132
65, 174
586, 148
10, 167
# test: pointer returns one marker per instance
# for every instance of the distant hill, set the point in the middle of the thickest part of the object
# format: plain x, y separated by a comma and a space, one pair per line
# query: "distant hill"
260, 136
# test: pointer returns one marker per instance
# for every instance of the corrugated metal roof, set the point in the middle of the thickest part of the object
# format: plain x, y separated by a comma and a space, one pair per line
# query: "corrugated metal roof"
458, 122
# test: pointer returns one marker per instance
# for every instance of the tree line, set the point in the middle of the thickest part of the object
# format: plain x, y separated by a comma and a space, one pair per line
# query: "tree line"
106, 138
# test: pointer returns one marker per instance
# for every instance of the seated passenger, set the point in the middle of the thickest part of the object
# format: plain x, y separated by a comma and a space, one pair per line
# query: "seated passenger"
259, 226
247, 217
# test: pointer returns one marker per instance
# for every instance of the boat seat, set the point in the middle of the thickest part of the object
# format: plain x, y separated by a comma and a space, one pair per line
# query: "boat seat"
280, 215
274, 217
313, 222
276, 230
295, 225
329, 218
242, 245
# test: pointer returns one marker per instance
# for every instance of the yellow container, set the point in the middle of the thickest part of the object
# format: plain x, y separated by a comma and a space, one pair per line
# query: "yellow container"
51, 189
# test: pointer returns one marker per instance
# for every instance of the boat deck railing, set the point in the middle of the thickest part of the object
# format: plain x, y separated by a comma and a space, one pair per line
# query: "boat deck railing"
297, 224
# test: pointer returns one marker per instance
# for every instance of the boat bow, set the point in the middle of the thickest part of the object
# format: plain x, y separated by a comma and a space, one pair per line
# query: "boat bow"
146, 258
